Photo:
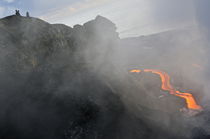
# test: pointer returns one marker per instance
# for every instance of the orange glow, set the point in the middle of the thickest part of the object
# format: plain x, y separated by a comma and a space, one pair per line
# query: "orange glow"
166, 86
135, 71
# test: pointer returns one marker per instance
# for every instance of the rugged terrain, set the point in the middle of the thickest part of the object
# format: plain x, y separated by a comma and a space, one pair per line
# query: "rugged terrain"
59, 82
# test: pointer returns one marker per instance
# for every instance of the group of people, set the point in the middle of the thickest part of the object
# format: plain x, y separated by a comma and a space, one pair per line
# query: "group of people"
17, 12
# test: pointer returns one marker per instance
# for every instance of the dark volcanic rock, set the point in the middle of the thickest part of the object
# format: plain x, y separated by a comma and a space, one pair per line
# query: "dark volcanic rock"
47, 91
58, 82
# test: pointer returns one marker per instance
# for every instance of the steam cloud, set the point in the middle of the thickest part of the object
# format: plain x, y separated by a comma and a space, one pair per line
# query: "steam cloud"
59, 82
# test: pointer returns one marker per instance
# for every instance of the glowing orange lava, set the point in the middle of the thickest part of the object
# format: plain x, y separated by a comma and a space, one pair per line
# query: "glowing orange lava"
166, 86
135, 71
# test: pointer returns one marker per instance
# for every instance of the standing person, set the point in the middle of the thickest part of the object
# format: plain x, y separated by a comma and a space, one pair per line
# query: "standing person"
27, 14
17, 12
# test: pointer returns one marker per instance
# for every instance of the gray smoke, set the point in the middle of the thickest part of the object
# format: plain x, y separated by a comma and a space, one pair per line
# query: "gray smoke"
59, 82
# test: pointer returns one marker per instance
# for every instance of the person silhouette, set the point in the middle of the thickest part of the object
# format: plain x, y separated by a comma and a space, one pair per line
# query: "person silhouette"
27, 14
17, 12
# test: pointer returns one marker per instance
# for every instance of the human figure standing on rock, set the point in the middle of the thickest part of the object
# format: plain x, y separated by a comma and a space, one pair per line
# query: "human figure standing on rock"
17, 12
27, 14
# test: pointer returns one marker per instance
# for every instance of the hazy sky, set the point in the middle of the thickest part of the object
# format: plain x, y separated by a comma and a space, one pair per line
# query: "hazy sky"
132, 17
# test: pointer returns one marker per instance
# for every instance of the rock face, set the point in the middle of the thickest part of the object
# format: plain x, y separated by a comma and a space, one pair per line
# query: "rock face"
47, 87
58, 82
53, 82
31, 41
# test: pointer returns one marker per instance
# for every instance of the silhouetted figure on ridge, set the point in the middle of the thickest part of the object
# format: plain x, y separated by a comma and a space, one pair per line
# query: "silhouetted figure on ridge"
27, 14
17, 12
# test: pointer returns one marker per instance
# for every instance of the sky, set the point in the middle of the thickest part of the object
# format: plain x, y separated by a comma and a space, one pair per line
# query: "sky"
132, 17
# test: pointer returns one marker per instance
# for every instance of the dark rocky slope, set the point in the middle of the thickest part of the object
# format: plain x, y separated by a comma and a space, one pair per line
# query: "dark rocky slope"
59, 82
47, 88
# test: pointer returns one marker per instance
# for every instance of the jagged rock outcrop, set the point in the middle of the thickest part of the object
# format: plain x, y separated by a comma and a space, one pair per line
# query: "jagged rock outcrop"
48, 91
58, 82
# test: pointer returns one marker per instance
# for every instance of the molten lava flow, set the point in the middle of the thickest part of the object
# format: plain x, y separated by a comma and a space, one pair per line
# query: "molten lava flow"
135, 71
165, 79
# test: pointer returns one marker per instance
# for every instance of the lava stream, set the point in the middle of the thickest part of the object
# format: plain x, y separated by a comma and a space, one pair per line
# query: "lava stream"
166, 86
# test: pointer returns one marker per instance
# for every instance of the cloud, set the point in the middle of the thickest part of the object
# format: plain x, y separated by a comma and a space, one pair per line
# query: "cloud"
202, 15
132, 17
9, 1
2, 10
126, 14
72, 9
173, 13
